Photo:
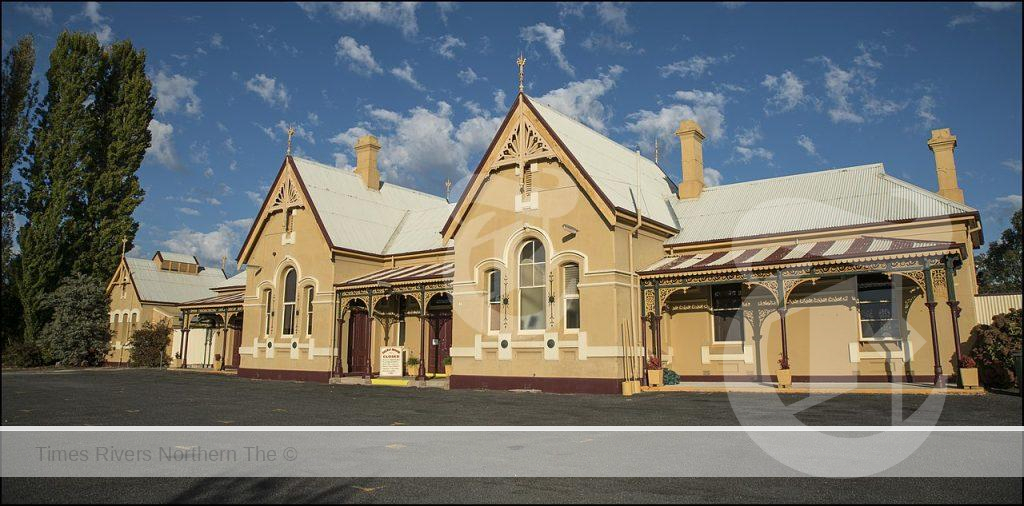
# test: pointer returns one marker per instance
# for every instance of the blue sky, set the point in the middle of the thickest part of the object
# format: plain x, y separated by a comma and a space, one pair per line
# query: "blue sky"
778, 89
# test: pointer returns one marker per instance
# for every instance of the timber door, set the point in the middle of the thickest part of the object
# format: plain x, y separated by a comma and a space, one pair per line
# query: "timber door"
236, 342
358, 341
441, 333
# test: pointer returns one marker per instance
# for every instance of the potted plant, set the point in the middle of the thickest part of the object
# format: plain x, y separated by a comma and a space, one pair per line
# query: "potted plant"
412, 366
968, 371
447, 366
784, 375
655, 375
177, 359
218, 362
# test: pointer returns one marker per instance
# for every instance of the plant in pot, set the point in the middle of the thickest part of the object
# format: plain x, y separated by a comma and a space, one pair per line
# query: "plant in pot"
968, 371
218, 362
448, 366
177, 359
412, 366
784, 375
655, 375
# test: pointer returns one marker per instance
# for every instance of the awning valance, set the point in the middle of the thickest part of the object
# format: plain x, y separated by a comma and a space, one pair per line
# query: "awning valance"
796, 255
443, 271
215, 302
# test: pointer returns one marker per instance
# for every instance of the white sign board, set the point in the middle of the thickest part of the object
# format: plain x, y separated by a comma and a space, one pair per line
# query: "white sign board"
392, 360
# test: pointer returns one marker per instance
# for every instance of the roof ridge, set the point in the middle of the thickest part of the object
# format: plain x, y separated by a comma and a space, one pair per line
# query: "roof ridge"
865, 167
353, 174
935, 195
394, 233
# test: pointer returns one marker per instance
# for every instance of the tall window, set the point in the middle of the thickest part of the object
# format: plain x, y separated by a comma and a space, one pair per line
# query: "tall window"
268, 311
727, 309
875, 302
309, 311
531, 286
494, 300
117, 326
289, 220
288, 316
571, 281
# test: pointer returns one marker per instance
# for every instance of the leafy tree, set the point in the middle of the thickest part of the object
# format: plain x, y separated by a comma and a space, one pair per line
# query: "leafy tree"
60, 148
79, 333
18, 107
123, 108
999, 270
993, 347
149, 344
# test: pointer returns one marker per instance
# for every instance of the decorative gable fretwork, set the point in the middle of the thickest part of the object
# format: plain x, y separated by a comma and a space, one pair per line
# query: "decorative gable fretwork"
523, 145
286, 196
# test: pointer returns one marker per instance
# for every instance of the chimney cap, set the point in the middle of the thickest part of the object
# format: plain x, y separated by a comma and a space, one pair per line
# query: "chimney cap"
941, 137
689, 126
367, 140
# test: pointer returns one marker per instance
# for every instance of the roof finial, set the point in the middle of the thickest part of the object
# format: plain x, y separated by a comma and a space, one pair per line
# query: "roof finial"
124, 244
655, 151
522, 63
447, 189
291, 132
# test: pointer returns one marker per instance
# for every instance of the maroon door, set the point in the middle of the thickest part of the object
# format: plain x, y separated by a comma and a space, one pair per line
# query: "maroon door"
358, 340
236, 342
441, 334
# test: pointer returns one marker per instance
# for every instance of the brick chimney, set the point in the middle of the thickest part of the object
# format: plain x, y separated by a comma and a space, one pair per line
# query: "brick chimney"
366, 161
690, 139
942, 143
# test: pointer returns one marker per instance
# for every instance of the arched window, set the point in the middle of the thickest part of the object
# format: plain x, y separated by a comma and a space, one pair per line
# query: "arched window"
116, 326
288, 310
135, 324
531, 286
268, 311
494, 300
309, 311
570, 287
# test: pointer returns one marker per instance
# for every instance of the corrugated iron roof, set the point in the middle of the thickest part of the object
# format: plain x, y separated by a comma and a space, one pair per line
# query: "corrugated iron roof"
177, 257
236, 281
230, 299
398, 275
155, 285
835, 198
390, 221
797, 254
613, 167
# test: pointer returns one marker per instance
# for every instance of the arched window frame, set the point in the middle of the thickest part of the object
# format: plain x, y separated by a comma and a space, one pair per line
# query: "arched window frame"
289, 300
310, 292
494, 299
533, 284
571, 296
268, 311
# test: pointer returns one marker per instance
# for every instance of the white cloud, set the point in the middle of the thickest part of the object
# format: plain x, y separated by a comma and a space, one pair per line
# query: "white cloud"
188, 210
1013, 165
359, 57
499, 100
745, 154
807, 144
552, 38
42, 14
254, 197
208, 173
840, 85
712, 177
995, 6
446, 46
100, 25
401, 15
881, 107
748, 136
613, 15
269, 90
787, 92
405, 73
468, 76
176, 92
733, 5
581, 99
210, 247
268, 131
300, 131
962, 19
445, 8
926, 111
162, 146
705, 107
695, 66
217, 41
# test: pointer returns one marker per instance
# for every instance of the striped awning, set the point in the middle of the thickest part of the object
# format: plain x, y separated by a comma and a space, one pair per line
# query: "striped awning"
794, 255
217, 301
443, 271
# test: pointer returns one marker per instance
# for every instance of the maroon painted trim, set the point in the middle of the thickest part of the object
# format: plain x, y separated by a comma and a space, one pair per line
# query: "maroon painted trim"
285, 375
551, 385
312, 205
729, 240
866, 378
257, 223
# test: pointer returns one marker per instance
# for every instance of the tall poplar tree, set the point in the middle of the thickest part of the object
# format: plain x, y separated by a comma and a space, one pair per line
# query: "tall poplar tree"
61, 147
123, 108
18, 107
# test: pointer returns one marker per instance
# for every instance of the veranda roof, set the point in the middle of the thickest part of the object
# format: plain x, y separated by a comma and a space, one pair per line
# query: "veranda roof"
231, 299
442, 271
863, 248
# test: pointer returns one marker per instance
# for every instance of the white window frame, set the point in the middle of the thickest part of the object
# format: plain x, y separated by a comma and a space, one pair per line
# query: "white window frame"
289, 307
542, 286
566, 297
491, 273
309, 310
268, 311
897, 318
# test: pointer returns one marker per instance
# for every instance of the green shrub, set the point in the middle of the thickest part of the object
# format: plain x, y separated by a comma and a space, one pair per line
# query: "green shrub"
412, 361
993, 347
79, 333
149, 344
670, 377
21, 354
